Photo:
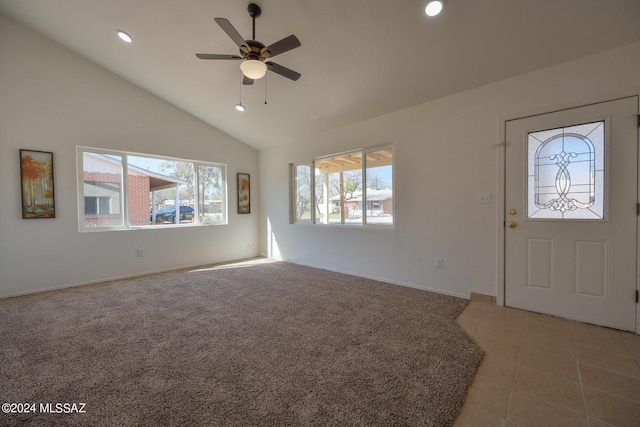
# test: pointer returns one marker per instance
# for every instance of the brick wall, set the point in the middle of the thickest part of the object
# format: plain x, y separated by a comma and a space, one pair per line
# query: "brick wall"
139, 200
387, 206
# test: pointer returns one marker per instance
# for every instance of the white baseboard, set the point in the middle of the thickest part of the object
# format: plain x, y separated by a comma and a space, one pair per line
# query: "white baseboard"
392, 282
112, 279
130, 276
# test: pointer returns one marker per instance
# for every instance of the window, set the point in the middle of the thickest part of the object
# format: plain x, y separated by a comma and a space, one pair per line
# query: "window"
97, 205
354, 188
123, 190
379, 191
102, 181
566, 173
302, 193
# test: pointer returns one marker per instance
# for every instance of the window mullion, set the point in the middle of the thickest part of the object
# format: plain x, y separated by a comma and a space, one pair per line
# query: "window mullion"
364, 188
312, 190
125, 191
196, 193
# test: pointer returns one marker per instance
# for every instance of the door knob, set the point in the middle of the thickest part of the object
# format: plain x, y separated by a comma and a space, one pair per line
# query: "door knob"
512, 211
512, 224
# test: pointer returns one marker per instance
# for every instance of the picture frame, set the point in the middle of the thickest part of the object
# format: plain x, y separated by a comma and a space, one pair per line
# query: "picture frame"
36, 184
244, 193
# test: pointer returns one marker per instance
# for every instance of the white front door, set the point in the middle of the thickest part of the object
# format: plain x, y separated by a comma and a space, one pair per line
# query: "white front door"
571, 192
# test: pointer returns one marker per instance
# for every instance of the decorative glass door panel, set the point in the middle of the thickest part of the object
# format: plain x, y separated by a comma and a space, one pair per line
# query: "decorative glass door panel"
566, 173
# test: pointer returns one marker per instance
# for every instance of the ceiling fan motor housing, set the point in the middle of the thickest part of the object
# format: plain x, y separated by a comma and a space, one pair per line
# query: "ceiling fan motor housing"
255, 50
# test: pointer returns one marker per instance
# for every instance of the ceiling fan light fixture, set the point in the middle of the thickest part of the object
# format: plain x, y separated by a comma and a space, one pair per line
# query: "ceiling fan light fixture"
240, 107
434, 7
253, 69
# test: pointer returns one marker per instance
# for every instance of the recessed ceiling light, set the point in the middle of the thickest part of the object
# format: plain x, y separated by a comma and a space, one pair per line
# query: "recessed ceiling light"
433, 8
124, 36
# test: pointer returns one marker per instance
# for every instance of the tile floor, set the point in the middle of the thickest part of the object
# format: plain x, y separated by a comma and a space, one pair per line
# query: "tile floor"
540, 370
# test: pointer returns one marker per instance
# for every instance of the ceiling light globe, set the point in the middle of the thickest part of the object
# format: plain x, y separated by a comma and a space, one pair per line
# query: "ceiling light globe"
240, 107
433, 8
253, 69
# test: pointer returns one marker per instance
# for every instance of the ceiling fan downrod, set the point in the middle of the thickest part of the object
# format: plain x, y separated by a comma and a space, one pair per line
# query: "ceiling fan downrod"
254, 12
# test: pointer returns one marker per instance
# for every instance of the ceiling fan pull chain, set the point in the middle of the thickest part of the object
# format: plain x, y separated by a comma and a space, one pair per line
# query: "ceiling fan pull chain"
239, 106
266, 79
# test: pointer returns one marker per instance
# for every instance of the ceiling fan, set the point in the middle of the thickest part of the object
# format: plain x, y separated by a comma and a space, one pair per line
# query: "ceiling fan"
254, 54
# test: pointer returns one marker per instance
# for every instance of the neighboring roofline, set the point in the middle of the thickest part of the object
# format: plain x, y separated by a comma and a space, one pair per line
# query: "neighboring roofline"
372, 196
140, 170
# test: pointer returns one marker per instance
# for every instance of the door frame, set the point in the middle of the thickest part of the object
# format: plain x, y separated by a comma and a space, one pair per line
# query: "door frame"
501, 147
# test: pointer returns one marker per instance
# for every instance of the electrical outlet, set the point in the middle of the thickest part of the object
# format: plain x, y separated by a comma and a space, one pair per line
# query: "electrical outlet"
484, 199
140, 252
439, 262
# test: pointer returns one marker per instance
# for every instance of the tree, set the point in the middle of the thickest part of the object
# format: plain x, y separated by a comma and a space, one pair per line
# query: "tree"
319, 195
345, 184
209, 179
351, 182
374, 182
303, 189
32, 170
183, 171
47, 180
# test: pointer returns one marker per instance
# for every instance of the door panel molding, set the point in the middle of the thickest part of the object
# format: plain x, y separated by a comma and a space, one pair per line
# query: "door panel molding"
539, 263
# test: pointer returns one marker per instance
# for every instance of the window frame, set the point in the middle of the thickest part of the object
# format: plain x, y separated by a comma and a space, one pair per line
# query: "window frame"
312, 164
124, 191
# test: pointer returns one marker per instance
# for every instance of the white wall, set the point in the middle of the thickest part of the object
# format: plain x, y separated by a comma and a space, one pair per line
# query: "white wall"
444, 158
53, 100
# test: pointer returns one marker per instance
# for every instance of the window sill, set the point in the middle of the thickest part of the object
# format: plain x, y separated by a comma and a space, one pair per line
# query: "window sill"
348, 226
147, 227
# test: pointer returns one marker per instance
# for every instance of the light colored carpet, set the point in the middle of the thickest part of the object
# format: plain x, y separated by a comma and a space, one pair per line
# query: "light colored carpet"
273, 344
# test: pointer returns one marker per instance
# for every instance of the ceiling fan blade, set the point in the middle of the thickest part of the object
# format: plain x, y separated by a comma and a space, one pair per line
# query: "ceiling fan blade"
283, 71
284, 45
230, 30
247, 81
216, 56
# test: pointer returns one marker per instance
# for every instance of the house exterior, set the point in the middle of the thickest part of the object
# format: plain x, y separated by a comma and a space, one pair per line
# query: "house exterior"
102, 175
378, 203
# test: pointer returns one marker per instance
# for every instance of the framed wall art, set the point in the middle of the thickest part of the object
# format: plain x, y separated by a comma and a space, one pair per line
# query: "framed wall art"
244, 193
36, 181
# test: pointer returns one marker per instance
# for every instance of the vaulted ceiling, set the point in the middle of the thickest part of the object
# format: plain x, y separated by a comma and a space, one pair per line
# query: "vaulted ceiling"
359, 58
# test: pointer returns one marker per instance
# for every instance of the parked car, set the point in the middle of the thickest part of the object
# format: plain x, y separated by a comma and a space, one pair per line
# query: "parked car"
168, 214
